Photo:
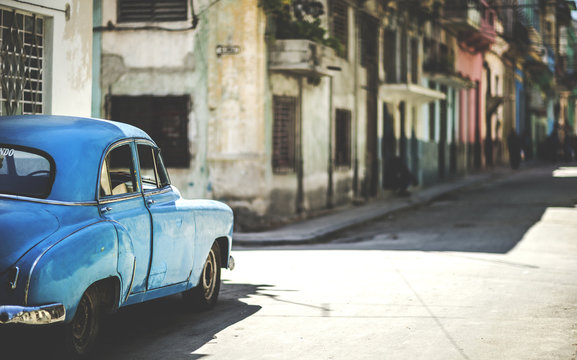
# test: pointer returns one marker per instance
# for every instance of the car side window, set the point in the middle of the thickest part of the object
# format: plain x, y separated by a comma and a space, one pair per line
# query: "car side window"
161, 170
117, 173
152, 172
148, 176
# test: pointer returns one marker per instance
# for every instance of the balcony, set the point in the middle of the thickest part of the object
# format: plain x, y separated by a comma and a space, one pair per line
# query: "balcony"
473, 22
442, 71
413, 93
301, 57
462, 16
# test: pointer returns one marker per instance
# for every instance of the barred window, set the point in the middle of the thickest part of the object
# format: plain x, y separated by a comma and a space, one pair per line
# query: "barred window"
340, 24
164, 118
343, 138
284, 134
152, 10
21, 62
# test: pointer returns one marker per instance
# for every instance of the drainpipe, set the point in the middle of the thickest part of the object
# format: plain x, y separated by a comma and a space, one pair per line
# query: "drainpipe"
356, 107
96, 59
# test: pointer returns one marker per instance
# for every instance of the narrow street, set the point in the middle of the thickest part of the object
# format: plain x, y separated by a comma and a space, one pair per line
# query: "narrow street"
483, 273
487, 273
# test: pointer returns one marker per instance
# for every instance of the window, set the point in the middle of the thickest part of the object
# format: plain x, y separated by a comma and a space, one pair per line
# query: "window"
152, 10
414, 60
284, 134
21, 63
153, 175
343, 138
24, 172
340, 24
165, 119
404, 56
117, 173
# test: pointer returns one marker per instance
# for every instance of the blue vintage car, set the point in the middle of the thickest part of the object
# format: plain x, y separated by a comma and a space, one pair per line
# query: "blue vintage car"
89, 222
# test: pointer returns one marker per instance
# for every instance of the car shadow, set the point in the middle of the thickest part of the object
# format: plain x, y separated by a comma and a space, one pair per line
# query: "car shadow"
161, 329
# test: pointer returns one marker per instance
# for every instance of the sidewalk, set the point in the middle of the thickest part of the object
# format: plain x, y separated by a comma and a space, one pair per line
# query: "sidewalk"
313, 230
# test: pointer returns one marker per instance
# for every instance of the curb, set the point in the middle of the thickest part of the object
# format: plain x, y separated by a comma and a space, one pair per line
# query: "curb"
316, 230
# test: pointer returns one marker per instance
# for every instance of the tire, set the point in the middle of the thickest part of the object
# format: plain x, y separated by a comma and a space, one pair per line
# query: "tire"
81, 334
205, 294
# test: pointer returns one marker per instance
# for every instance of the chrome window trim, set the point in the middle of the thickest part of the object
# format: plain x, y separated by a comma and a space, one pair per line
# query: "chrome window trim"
49, 202
117, 198
163, 190
99, 199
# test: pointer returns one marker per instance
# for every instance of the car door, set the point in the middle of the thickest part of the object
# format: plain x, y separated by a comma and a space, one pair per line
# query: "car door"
173, 227
121, 201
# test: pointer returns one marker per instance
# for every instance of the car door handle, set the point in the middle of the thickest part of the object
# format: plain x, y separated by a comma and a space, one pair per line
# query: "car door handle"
150, 202
105, 209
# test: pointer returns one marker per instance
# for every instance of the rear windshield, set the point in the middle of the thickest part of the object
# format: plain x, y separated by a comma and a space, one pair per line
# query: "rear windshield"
25, 172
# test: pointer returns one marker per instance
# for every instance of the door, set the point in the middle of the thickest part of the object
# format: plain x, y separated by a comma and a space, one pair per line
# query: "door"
443, 135
173, 227
121, 201
389, 145
370, 59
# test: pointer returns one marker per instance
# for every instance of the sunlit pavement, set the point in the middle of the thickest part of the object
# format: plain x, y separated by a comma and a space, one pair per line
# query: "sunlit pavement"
354, 301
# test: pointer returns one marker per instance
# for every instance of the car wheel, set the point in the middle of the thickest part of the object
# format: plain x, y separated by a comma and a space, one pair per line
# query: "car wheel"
205, 294
82, 332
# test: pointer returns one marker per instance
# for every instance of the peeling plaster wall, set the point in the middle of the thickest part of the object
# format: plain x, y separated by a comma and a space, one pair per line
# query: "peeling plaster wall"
236, 103
160, 63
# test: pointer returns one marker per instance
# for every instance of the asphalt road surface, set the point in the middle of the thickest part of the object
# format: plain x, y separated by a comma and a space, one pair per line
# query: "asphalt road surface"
488, 272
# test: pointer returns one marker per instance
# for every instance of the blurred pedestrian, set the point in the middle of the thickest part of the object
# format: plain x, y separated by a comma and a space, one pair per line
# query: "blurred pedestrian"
514, 144
402, 178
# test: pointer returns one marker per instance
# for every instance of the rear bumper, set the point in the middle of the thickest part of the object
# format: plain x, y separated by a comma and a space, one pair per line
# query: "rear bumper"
36, 315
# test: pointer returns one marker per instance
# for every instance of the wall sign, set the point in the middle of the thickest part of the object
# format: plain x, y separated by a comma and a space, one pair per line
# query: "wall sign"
227, 50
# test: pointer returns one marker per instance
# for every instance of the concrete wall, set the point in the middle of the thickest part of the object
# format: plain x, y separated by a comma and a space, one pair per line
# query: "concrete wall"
226, 122
68, 53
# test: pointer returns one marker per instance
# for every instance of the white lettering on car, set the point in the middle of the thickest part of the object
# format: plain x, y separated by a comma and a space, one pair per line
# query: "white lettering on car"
6, 152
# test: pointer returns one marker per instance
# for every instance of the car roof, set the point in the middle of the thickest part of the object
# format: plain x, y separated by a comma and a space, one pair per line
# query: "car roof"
75, 143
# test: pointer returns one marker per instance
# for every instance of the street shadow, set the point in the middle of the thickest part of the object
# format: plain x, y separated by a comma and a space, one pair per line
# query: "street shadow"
161, 329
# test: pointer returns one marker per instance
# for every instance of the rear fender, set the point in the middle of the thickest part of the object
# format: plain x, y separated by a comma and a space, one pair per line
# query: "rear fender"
64, 271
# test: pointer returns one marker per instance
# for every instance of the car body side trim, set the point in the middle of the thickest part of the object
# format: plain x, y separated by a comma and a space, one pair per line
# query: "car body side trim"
49, 202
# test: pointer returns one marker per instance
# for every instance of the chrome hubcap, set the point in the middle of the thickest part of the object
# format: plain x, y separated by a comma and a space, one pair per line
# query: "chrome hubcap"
209, 275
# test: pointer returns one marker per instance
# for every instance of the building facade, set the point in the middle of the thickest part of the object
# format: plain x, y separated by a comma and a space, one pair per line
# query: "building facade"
285, 109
